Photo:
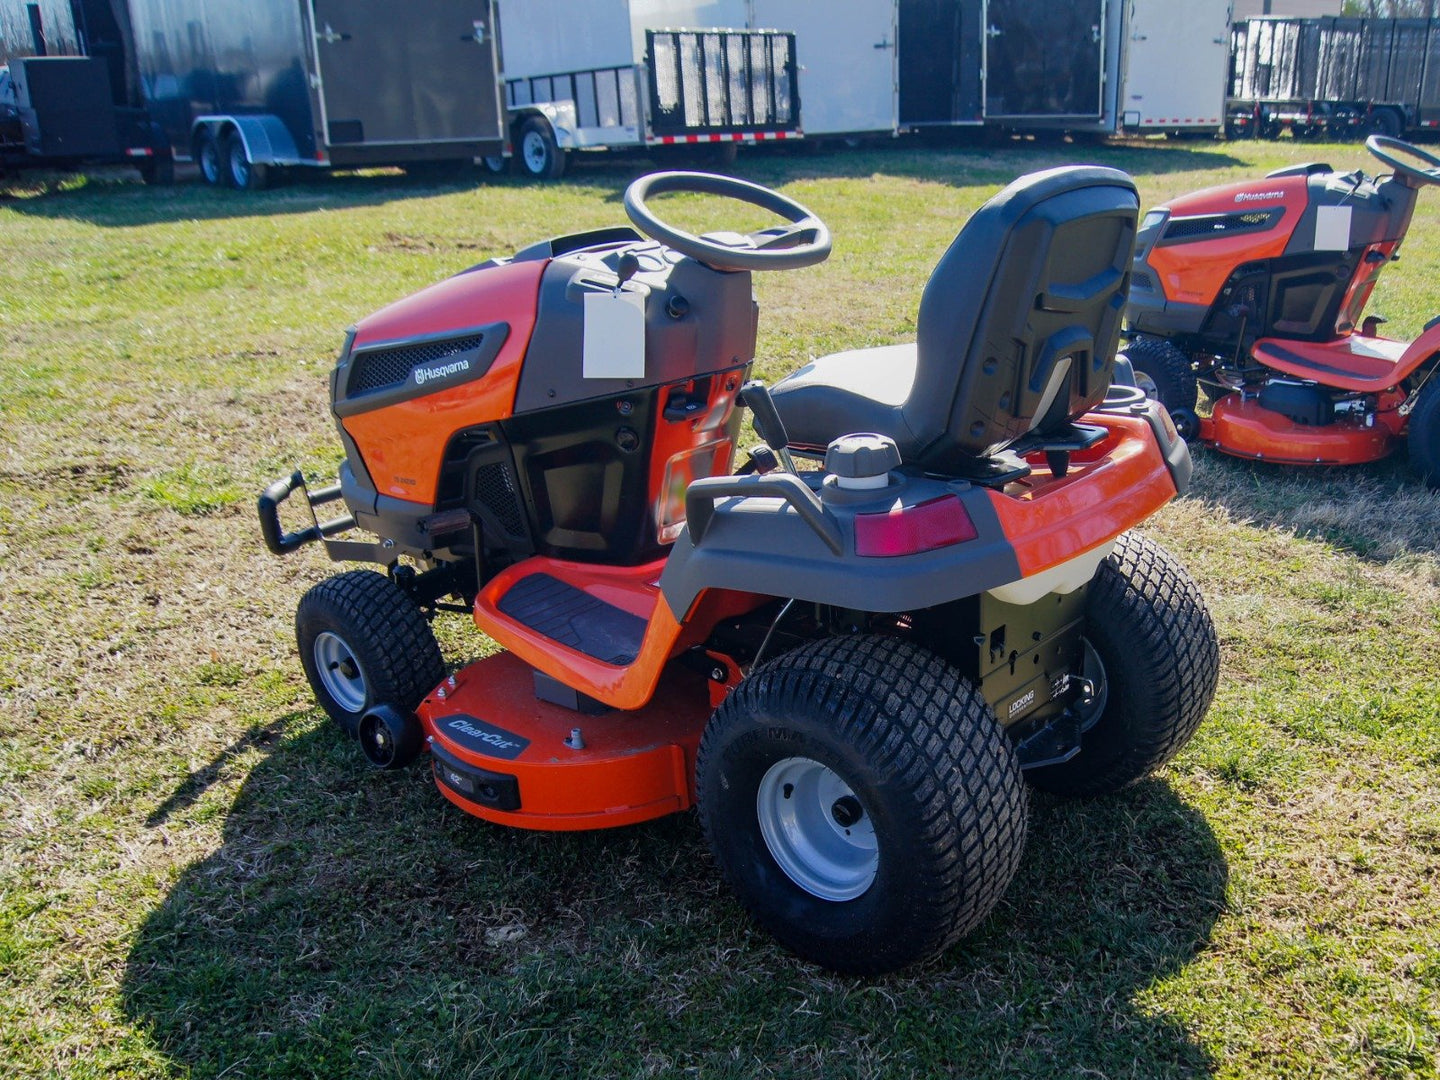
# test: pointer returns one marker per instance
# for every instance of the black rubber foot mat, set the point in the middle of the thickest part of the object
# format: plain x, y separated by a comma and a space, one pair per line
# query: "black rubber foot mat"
565, 614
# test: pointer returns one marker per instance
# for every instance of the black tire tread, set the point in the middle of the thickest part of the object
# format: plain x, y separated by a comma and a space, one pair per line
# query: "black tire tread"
402, 661
1423, 435
1142, 588
1170, 368
911, 715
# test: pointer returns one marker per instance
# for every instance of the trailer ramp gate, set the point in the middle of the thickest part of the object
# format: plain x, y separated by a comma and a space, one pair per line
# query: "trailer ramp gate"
722, 85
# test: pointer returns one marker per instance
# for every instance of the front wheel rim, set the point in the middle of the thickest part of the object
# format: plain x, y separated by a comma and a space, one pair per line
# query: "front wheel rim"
340, 672
535, 152
817, 830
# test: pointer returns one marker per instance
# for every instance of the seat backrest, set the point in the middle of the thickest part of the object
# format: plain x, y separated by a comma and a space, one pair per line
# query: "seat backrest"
1020, 320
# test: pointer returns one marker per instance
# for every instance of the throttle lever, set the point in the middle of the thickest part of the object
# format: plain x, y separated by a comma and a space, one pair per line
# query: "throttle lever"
755, 396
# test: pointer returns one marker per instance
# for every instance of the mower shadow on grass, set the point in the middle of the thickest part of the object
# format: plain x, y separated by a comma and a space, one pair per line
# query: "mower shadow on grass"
353, 922
1377, 512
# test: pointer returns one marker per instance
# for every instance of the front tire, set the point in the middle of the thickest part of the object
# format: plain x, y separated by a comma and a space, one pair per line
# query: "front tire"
1147, 625
240, 172
363, 643
863, 802
539, 154
1423, 435
1163, 372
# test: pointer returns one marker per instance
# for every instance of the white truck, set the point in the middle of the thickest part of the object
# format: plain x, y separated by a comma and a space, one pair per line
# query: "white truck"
610, 74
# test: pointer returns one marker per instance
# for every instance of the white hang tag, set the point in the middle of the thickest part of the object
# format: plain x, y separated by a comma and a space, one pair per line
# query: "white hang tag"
1332, 228
614, 336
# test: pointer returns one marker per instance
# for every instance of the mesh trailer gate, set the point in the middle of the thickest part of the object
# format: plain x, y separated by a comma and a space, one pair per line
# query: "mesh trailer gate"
722, 85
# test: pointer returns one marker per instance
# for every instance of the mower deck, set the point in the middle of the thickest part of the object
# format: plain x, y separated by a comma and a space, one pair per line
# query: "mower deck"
1240, 427
491, 738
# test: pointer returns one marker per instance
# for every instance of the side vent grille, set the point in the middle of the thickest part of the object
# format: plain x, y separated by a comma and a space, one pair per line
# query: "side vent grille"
1211, 225
384, 368
495, 492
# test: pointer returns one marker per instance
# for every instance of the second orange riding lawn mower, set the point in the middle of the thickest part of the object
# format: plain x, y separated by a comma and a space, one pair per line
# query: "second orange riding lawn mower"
1257, 292
919, 594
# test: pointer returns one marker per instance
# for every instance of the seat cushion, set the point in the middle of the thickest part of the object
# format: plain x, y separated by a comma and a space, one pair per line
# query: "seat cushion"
846, 393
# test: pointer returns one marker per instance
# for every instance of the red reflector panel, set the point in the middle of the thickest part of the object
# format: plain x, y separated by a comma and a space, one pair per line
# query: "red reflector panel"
908, 530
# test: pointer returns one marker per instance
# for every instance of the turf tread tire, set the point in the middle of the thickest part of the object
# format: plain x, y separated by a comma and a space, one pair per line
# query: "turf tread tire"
390, 636
1423, 436
890, 715
1168, 368
1146, 618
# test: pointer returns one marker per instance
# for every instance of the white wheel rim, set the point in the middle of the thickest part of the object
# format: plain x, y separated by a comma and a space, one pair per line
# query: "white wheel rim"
1146, 383
1093, 668
534, 150
340, 672
816, 829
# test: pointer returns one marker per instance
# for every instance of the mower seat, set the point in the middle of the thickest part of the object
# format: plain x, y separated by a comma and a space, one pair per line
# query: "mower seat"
1017, 331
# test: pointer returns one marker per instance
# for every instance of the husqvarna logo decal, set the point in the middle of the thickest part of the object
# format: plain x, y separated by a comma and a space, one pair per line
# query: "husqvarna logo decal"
1258, 196
424, 375
477, 735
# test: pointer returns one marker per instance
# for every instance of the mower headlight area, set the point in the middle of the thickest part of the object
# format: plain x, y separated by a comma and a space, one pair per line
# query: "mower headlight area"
909, 530
1151, 226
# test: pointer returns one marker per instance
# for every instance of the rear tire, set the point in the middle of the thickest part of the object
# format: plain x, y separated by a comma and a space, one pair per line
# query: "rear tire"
240, 172
1163, 372
537, 151
1148, 626
863, 802
1424, 432
363, 643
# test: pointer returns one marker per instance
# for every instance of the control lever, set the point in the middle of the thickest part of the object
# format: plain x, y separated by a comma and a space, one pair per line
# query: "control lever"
755, 396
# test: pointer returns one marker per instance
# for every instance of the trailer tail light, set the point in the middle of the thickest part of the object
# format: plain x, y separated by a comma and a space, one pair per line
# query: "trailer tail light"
909, 530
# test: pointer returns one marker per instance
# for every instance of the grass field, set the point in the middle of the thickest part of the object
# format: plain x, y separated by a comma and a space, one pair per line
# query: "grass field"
198, 877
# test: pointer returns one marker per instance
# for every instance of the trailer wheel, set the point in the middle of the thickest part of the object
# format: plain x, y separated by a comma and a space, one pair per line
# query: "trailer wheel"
495, 164
1158, 660
539, 154
240, 172
363, 642
1163, 372
863, 802
1423, 436
158, 171
1383, 122
207, 157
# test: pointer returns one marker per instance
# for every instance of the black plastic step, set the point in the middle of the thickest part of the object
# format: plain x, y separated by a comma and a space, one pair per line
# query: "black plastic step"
574, 618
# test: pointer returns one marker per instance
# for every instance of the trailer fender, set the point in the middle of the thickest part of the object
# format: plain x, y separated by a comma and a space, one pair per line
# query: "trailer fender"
560, 115
266, 139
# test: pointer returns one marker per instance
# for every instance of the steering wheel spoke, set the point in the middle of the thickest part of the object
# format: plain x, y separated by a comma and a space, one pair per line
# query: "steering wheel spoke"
802, 241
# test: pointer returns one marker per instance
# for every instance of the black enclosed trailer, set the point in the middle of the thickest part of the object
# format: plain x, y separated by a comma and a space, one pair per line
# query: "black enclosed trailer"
1337, 76
64, 98
246, 86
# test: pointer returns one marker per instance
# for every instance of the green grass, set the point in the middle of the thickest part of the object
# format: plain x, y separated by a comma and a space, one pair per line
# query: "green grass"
198, 877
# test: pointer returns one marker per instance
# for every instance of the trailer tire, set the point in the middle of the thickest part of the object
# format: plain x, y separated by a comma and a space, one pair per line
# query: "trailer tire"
537, 151
1163, 372
1385, 122
1149, 630
240, 172
1423, 437
158, 171
209, 160
908, 815
363, 643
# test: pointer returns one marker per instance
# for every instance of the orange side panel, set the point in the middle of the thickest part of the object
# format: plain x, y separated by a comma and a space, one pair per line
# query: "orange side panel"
1113, 488
633, 766
403, 445
634, 589
1240, 427
1193, 272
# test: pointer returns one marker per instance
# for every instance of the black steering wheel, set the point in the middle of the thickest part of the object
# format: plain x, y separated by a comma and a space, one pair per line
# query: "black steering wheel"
805, 241
1382, 145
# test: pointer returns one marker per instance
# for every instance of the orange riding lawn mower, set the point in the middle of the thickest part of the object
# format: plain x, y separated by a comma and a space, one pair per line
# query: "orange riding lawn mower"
1256, 293
850, 654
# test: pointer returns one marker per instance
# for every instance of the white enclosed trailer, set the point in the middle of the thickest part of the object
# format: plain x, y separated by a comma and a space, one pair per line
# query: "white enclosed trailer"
610, 74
